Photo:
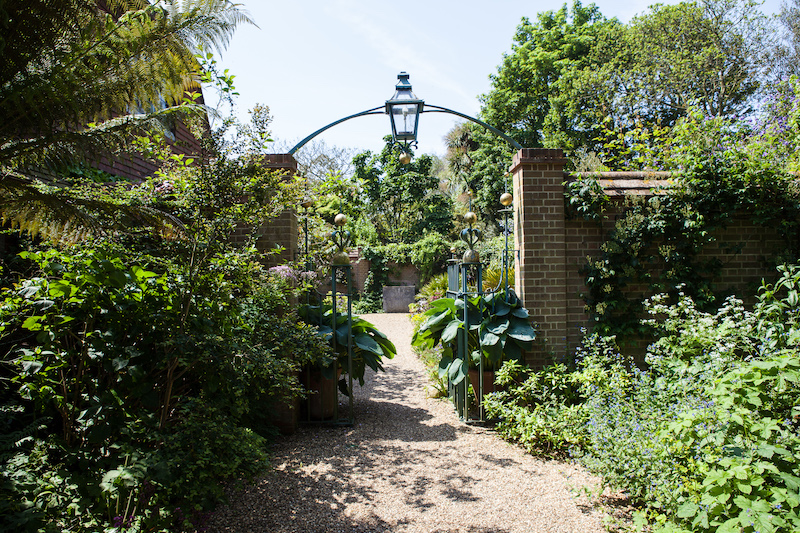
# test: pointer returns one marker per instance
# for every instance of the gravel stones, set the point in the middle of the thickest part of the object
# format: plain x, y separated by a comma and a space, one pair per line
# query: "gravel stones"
407, 465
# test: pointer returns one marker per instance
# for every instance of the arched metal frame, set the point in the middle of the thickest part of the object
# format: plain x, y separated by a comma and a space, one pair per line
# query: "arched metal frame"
433, 109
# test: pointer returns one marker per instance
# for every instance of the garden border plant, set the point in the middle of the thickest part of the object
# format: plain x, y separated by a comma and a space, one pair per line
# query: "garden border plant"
499, 330
706, 438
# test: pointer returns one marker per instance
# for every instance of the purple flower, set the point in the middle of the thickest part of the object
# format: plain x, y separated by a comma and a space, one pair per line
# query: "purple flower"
285, 272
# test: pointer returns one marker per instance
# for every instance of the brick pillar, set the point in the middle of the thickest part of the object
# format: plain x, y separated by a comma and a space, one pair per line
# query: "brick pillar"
282, 230
539, 237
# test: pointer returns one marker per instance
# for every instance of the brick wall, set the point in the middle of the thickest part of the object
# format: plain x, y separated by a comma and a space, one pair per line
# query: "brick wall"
282, 230
552, 249
540, 239
136, 168
398, 274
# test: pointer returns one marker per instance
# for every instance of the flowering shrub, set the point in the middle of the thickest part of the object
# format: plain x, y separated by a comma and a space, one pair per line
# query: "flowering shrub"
707, 437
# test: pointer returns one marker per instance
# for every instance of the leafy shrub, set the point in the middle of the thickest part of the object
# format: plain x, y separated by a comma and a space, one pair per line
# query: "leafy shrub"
542, 411
369, 345
129, 395
706, 437
368, 302
499, 330
429, 255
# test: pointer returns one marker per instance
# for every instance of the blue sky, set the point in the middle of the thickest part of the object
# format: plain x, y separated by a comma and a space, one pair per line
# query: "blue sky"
313, 61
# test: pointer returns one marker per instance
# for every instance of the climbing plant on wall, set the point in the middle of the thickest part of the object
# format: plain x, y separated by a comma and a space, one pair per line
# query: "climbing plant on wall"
656, 245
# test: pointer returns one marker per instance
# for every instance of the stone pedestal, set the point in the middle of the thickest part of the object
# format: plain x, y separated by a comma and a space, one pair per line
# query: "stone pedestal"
397, 298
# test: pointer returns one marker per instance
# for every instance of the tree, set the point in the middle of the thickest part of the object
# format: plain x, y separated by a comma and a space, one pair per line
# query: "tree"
787, 52
530, 94
541, 96
578, 81
403, 202
708, 54
317, 160
81, 80
478, 160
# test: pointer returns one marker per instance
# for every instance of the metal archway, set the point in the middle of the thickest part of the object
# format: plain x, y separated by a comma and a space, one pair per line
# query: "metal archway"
433, 109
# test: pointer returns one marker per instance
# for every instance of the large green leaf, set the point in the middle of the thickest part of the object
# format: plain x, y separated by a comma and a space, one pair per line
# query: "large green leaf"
498, 325
389, 349
474, 313
437, 321
520, 312
494, 352
458, 370
444, 365
521, 330
440, 305
512, 350
342, 334
489, 338
365, 342
497, 304
523, 345
451, 331
369, 358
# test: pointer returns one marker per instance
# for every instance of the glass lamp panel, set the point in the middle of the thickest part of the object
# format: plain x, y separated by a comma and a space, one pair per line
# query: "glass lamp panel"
405, 121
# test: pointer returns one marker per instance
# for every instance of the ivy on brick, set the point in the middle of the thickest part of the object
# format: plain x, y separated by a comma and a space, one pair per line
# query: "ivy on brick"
663, 243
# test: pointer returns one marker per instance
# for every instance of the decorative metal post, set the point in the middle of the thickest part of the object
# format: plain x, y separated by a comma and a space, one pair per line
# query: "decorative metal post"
340, 269
506, 200
459, 288
340, 262
470, 261
306, 205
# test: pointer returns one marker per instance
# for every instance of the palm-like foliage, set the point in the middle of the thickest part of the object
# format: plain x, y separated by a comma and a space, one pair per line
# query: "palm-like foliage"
80, 79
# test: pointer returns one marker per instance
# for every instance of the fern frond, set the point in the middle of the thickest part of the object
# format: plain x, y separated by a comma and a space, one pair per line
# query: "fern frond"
98, 65
95, 142
68, 215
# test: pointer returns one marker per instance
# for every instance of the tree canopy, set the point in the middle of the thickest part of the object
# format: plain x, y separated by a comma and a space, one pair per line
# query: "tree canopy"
604, 91
403, 202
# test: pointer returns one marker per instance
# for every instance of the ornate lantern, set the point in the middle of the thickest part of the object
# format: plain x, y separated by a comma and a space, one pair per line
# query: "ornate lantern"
403, 110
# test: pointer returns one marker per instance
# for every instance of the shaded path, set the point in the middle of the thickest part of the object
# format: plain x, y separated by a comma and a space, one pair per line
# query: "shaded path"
408, 465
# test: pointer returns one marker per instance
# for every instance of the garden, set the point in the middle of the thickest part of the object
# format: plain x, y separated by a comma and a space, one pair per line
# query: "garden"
145, 349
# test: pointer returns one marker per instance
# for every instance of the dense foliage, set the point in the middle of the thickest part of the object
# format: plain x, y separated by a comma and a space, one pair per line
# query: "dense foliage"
356, 336
496, 329
706, 438
603, 90
401, 201
674, 237
83, 81
130, 391
137, 369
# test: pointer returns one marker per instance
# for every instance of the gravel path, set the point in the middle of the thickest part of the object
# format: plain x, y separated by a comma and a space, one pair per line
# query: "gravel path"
408, 465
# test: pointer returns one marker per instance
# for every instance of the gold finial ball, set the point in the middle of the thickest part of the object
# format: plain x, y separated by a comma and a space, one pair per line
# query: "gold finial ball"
506, 199
405, 158
471, 256
340, 258
470, 217
340, 220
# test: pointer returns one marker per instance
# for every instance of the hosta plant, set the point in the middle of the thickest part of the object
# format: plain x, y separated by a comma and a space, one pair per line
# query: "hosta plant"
370, 346
499, 330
